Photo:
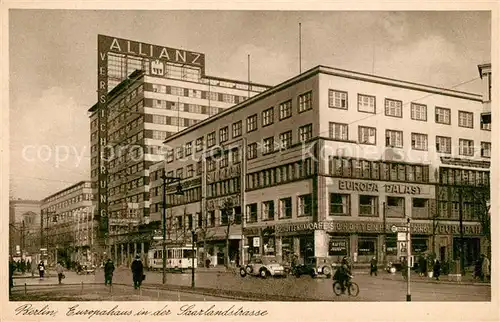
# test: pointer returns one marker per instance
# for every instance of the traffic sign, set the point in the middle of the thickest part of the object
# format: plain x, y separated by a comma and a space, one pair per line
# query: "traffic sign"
401, 236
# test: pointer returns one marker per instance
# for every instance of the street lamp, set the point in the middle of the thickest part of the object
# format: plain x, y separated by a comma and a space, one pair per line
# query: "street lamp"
164, 219
194, 240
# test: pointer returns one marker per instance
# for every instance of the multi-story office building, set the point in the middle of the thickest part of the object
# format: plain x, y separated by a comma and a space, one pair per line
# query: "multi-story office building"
152, 96
67, 227
334, 160
24, 227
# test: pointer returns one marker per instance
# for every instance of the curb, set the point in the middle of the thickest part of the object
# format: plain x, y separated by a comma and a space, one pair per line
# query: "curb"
414, 280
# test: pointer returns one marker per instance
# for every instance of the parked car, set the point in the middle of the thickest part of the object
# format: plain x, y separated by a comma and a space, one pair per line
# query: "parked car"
314, 267
263, 266
85, 269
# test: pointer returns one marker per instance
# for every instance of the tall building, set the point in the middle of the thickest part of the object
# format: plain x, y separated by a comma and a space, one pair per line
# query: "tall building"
24, 227
67, 227
154, 92
334, 160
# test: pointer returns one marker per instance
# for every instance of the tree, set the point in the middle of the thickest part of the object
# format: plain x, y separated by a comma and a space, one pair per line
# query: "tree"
204, 234
227, 218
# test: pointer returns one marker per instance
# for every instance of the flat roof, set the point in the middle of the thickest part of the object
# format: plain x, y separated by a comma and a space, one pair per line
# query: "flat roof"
320, 69
66, 189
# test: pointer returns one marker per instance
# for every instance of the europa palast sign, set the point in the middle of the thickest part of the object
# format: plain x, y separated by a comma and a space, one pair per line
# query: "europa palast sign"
376, 227
394, 188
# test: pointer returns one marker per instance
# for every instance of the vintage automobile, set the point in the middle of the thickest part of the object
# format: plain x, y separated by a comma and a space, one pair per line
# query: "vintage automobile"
85, 269
314, 267
263, 266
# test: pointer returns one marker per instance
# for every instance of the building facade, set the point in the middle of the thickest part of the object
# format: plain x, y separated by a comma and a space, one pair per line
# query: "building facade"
152, 95
335, 159
24, 227
68, 231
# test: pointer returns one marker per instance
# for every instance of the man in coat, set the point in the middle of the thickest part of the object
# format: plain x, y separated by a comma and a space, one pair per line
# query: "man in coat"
137, 271
373, 266
485, 268
60, 272
109, 268
41, 269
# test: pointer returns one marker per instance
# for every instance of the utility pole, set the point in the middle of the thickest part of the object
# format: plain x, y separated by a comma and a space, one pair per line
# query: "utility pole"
243, 197
461, 223
164, 220
384, 234
194, 240
408, 261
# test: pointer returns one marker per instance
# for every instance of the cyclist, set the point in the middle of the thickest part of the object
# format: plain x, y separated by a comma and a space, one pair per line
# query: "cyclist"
343, 274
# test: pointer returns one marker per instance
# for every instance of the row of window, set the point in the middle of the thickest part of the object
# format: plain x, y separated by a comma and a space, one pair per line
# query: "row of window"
122, 188
173, 120
68, 192
456, 176
394, 138
71, 201
392, 107
377, 170
185, 107
72, 216
130, 199
194, 93
279, 175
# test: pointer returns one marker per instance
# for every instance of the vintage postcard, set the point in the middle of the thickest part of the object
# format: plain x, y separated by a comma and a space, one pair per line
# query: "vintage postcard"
238, 162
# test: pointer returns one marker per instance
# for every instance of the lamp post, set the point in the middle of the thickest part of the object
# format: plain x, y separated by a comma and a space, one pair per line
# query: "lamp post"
193, 241
164, 219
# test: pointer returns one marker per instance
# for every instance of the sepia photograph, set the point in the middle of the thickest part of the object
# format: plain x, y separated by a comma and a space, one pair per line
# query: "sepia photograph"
192, 156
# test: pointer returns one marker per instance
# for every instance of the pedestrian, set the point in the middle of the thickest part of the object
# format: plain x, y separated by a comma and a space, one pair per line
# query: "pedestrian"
373, 266
109, 268
485, 268
41, 269
436, 269
137, 271
422, 266
60, 272
12, 268
28, 264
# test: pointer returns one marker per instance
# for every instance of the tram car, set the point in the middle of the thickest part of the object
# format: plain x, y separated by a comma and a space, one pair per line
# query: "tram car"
178, 258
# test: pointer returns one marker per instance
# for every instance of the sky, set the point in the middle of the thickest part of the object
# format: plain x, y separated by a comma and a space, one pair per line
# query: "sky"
53, 65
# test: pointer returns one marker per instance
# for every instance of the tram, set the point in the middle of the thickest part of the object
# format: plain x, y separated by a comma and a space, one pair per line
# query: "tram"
179, 258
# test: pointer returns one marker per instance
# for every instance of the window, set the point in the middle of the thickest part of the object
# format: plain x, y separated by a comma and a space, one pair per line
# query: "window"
252, 123
339, 205
285, 207
395, 207
305, 205
199, 144
366, 103
305, 102
305, 132
285, 110
252, 212
486, 121
368, 205
179, 153
268, 210
211, 164
189, 148
170, 155
418, 112
268, 117
268, 145
286, 139
465, 119
443, 115
394, 138
235, 157
211, 218
367, 135
179, 172
466, 147
224, 134
159, 119
366, 246
339, 131
486, 149
443, 144
337, 99
189, 171
252, 151
224, 160
420, 208
393, 108
211, 139
419, 141
237, 129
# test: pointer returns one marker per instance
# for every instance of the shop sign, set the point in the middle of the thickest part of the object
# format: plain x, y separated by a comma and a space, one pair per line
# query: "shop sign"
218, 203
402, 248
249, 231
361, 186
256, 242
337, 247
185, 185
224, 173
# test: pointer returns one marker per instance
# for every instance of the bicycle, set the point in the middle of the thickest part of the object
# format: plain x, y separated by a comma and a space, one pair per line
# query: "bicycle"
352, 288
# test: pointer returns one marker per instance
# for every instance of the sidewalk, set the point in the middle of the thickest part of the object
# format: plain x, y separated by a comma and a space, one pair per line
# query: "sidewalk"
443, 279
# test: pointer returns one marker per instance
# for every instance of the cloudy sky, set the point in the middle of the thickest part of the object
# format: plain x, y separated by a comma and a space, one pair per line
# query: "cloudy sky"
53, 65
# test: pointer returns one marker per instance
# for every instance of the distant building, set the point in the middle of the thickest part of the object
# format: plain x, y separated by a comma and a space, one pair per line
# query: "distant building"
335, 159
67, 227
149, 99
24, 227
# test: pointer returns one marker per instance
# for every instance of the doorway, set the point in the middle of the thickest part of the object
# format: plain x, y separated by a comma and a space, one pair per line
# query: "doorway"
442, 253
